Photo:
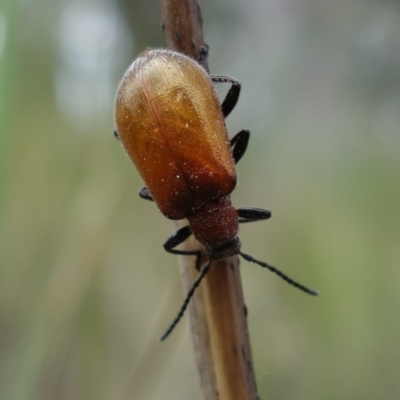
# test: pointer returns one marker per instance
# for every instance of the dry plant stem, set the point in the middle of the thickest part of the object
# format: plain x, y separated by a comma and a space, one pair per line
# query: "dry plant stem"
217, 312
226, 315
197, 313
182, 24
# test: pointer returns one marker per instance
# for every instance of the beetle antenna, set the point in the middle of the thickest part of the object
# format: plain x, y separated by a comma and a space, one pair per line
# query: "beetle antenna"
248, 257
196, 283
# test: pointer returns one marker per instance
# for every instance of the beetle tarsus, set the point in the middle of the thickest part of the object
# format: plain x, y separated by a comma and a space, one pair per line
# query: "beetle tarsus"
232, 96
203, 53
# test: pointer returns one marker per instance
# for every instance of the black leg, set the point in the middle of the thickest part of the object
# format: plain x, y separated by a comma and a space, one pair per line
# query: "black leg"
176, 239
116, 135
190, 294
239, 143
252, 214
233, 94
145, 194
203, 53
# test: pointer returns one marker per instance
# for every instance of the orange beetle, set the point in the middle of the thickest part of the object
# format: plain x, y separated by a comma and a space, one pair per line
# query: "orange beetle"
169, 120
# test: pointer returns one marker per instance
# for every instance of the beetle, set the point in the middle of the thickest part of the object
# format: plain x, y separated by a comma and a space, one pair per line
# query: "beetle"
170, 122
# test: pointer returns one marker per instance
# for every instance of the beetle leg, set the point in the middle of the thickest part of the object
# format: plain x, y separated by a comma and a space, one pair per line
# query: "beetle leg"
116, 135
252, 214
232, 96
145, 194
179, 237
239, 143
203, 53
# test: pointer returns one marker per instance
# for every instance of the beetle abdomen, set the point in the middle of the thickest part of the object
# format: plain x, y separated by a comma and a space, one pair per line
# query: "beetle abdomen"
170, 122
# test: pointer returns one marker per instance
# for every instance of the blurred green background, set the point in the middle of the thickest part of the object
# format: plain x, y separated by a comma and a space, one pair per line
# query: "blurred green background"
85, 286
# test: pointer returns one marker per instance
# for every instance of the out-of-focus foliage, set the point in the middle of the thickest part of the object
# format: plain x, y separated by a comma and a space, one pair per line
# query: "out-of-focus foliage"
85, 287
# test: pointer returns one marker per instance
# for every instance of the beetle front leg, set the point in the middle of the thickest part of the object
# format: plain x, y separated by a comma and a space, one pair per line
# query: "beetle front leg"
252, 214
116, 135
179, 237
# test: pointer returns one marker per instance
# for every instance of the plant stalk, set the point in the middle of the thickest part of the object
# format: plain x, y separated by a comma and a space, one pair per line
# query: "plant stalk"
217, 313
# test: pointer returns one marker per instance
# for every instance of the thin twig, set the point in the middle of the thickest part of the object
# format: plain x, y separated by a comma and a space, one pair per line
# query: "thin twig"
217, 311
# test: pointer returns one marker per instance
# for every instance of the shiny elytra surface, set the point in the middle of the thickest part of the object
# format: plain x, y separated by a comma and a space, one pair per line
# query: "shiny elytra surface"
169, 120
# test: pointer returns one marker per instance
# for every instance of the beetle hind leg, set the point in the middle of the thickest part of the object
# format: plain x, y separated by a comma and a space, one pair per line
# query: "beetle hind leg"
232, 96
203, 53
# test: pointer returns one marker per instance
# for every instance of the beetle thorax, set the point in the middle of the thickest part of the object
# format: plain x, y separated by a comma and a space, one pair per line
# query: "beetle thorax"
215, 226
